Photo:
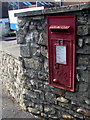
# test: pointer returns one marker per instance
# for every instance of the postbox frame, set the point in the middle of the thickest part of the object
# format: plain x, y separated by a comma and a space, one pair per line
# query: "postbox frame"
72, 88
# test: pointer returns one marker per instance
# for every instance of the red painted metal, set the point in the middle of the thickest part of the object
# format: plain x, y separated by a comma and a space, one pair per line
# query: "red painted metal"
62, 75
59, 27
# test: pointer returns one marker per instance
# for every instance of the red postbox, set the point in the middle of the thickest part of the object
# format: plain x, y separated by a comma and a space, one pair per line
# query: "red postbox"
61, 51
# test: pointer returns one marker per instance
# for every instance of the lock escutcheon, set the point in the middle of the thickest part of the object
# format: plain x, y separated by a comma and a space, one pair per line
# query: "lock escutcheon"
61, 42
56, 66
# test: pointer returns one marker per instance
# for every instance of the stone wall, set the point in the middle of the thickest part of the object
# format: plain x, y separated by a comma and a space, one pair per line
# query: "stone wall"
12, 76
31, 80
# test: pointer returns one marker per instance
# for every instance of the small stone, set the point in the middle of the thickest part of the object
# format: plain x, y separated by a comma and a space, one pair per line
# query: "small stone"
33, 63
78, 77
67, 116
80, 42
83, 87
87, 101
83, 111
87, 40
62, 99
32, 82
39, 107
43, 114
32, 26
16, 85
40, 85
59, 92
81, 68
28, 103
78, 115
44, 51
29, 37
20, 38
42, 75
42, 39
34, 45
34, 111
50, 97
85, 75
36, 52
46, 65
31, 95
25, 50
31, 73
73, 102
54, 117
48, 109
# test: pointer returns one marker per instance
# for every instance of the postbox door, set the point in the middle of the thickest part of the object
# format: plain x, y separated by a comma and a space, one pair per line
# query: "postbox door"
62, 62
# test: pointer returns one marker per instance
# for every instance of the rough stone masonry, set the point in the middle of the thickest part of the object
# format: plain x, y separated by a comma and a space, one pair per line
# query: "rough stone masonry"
28, 81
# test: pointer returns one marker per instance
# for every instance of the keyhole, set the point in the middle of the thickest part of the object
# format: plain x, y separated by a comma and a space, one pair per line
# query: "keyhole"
61, 42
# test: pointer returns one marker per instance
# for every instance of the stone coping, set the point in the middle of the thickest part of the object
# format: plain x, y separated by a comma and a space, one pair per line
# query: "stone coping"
76, 7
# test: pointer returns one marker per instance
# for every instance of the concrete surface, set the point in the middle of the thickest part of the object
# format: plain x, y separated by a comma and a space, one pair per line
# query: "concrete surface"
10, 109
7, 38
10, 47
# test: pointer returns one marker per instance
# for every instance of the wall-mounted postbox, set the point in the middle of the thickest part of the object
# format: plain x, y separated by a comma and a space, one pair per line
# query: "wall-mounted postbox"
61, 51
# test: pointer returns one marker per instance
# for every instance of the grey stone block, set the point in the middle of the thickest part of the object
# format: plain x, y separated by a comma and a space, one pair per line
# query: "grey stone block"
82, 19
33, 63
31, 73
30, 95
42, 76
48, 109
83, 30
44, 51
85, 76
25, 50
50, 97
84, 50
84, 60
83, 87
42, 38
